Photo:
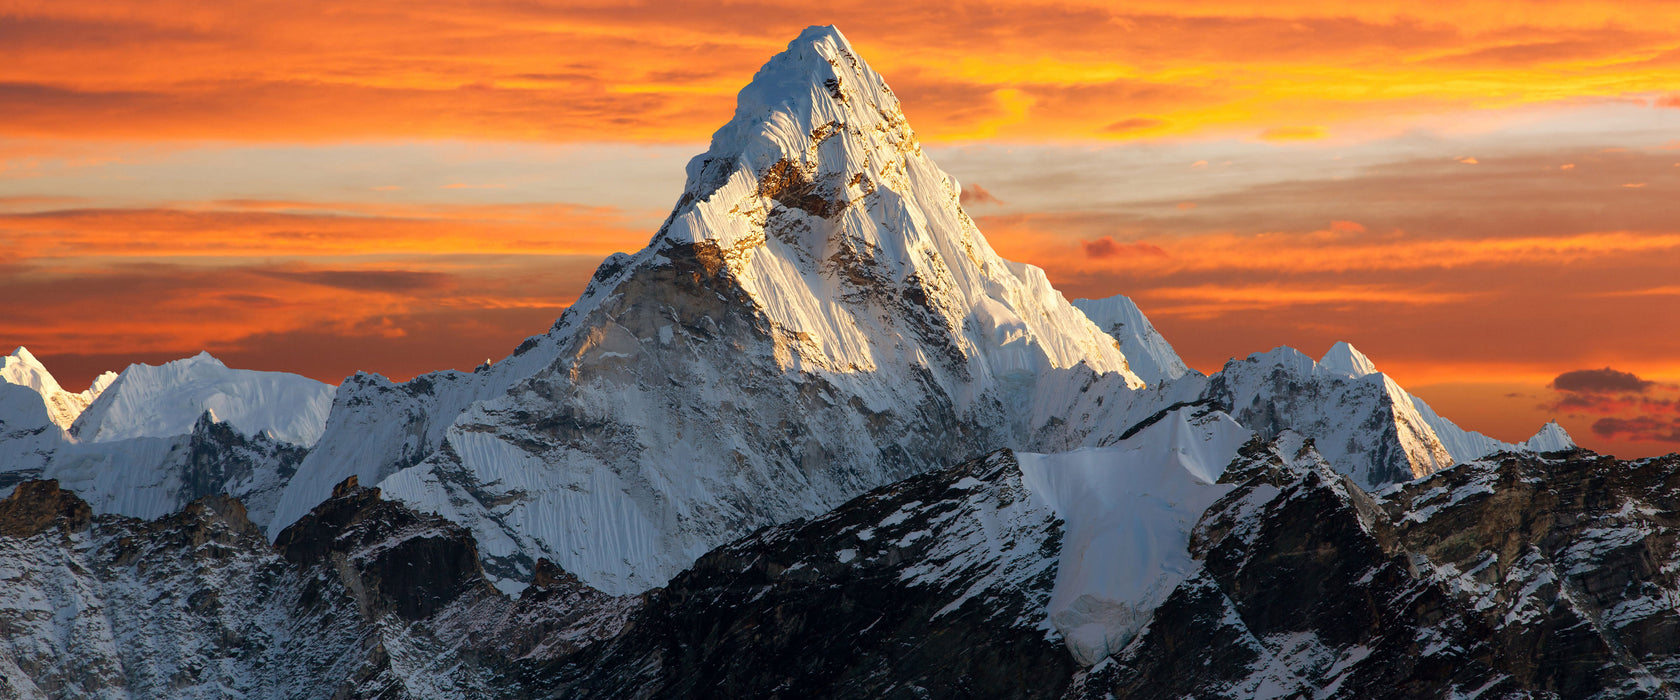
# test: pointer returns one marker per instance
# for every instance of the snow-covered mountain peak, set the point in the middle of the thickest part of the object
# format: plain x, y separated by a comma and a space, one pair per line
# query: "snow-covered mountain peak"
1148, 353
1342, 358
204, 357
782, 143
23, 369
1364, 423
100, 383
166, 400
817, 317
818, 201
1551, 438
1341, 361
1286, 358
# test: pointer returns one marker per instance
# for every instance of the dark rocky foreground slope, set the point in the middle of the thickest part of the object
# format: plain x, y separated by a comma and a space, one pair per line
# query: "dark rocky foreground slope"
361, 598
1551, 576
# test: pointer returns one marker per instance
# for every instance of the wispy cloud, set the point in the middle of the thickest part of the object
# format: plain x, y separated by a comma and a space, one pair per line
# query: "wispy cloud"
667, 71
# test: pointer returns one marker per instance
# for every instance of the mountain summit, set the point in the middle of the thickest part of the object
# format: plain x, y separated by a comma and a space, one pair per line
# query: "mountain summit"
818, 199
817, 317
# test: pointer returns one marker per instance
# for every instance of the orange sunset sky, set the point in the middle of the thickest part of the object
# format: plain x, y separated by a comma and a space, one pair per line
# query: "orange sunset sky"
1479, 195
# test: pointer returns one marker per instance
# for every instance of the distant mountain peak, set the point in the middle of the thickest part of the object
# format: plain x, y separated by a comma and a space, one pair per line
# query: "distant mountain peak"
1147, 352
22, 353
1551, 438
168, 399
23, 369
63, 407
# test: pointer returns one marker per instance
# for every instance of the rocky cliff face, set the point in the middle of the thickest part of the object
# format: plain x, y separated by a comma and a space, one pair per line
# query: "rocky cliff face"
937, 584
193, 604
934, 587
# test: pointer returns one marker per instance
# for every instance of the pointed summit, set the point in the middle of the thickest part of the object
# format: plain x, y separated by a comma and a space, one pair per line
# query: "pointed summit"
818, 201
774, 146
1342, 358
1551, 438
22, 369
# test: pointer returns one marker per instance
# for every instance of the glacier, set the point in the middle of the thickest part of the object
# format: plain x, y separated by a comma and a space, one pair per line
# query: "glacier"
1128, 511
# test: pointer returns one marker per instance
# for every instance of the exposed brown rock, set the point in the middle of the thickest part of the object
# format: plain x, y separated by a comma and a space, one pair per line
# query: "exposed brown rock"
36, 506
786, 183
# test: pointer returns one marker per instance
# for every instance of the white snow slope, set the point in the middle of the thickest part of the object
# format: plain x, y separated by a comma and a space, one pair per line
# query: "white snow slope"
1551, 438
1129, 510
377, 427
1151, 356
817, 317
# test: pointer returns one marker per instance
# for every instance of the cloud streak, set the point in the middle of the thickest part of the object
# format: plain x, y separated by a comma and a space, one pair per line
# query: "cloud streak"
250, 227
975, 194
668, 71
1601, 381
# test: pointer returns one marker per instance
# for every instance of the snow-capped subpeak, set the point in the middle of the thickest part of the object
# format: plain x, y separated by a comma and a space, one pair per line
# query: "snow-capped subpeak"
1342, 358
1551, 438
1151, 357
166, 400
22, 369
1362, 421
